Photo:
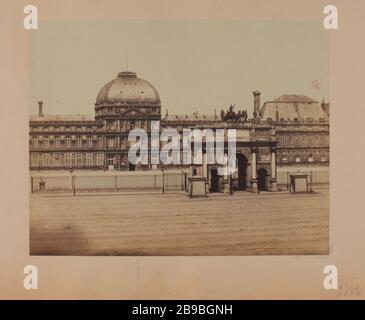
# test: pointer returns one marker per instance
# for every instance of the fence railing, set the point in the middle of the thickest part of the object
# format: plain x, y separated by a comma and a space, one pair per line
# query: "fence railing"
314, 177
163, 181
159, 181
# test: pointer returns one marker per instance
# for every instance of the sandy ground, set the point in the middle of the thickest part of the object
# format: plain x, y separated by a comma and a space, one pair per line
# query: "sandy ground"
172, 224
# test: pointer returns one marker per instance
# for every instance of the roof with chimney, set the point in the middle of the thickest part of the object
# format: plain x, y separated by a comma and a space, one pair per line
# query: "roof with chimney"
293, 107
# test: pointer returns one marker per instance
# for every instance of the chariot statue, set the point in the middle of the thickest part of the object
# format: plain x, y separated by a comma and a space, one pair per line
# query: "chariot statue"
231, 115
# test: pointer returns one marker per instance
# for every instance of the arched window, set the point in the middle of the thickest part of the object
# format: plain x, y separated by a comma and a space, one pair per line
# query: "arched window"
284, 157
297, 157
78, 142
323, 157
304, 156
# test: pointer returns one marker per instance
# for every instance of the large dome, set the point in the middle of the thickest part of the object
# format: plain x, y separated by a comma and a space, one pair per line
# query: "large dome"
127, 89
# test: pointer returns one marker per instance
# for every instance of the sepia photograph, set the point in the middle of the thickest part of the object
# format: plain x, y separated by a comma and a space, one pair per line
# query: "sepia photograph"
178, 158
179, 138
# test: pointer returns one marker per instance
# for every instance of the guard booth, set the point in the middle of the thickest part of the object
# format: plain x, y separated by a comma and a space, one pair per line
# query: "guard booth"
299, 182
197, 186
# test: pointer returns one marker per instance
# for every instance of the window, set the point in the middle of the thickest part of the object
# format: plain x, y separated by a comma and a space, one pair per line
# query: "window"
51, 160
304, 139
89, 142
78, 142
57, 142
35, 142
122, 142
304, 157
89, 159
45, 159
100, 159
296, 140
323, 157
62, 159
111, 143
78, 159
297, 157
131, 125
68, 159
56, 160
68, 142
122, 125
100, 142
283, 140
34, 160
285, 156
310, 157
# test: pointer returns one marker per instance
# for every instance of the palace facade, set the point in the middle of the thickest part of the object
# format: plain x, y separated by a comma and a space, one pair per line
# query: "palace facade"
289, 131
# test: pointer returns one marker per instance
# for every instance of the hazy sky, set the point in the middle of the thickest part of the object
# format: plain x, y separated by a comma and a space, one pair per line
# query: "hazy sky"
193, 65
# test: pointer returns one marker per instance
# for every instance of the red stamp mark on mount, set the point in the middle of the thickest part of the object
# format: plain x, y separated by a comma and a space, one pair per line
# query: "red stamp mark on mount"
316, 84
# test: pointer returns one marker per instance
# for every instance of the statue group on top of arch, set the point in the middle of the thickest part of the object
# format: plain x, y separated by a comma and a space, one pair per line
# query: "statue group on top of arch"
231, 115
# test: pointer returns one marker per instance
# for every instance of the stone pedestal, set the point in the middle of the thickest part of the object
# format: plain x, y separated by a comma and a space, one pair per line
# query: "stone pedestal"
225, 186
273, 185
253, 185
197, 187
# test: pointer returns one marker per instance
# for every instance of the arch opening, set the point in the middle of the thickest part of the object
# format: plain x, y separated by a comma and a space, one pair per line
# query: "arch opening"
242, 172
262, 179
214, 180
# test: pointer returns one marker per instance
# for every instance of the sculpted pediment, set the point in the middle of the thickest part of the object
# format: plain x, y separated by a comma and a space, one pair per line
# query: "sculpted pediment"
133, 112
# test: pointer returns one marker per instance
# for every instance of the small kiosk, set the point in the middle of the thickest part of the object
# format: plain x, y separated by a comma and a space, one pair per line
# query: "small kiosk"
299, 182
197, 187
